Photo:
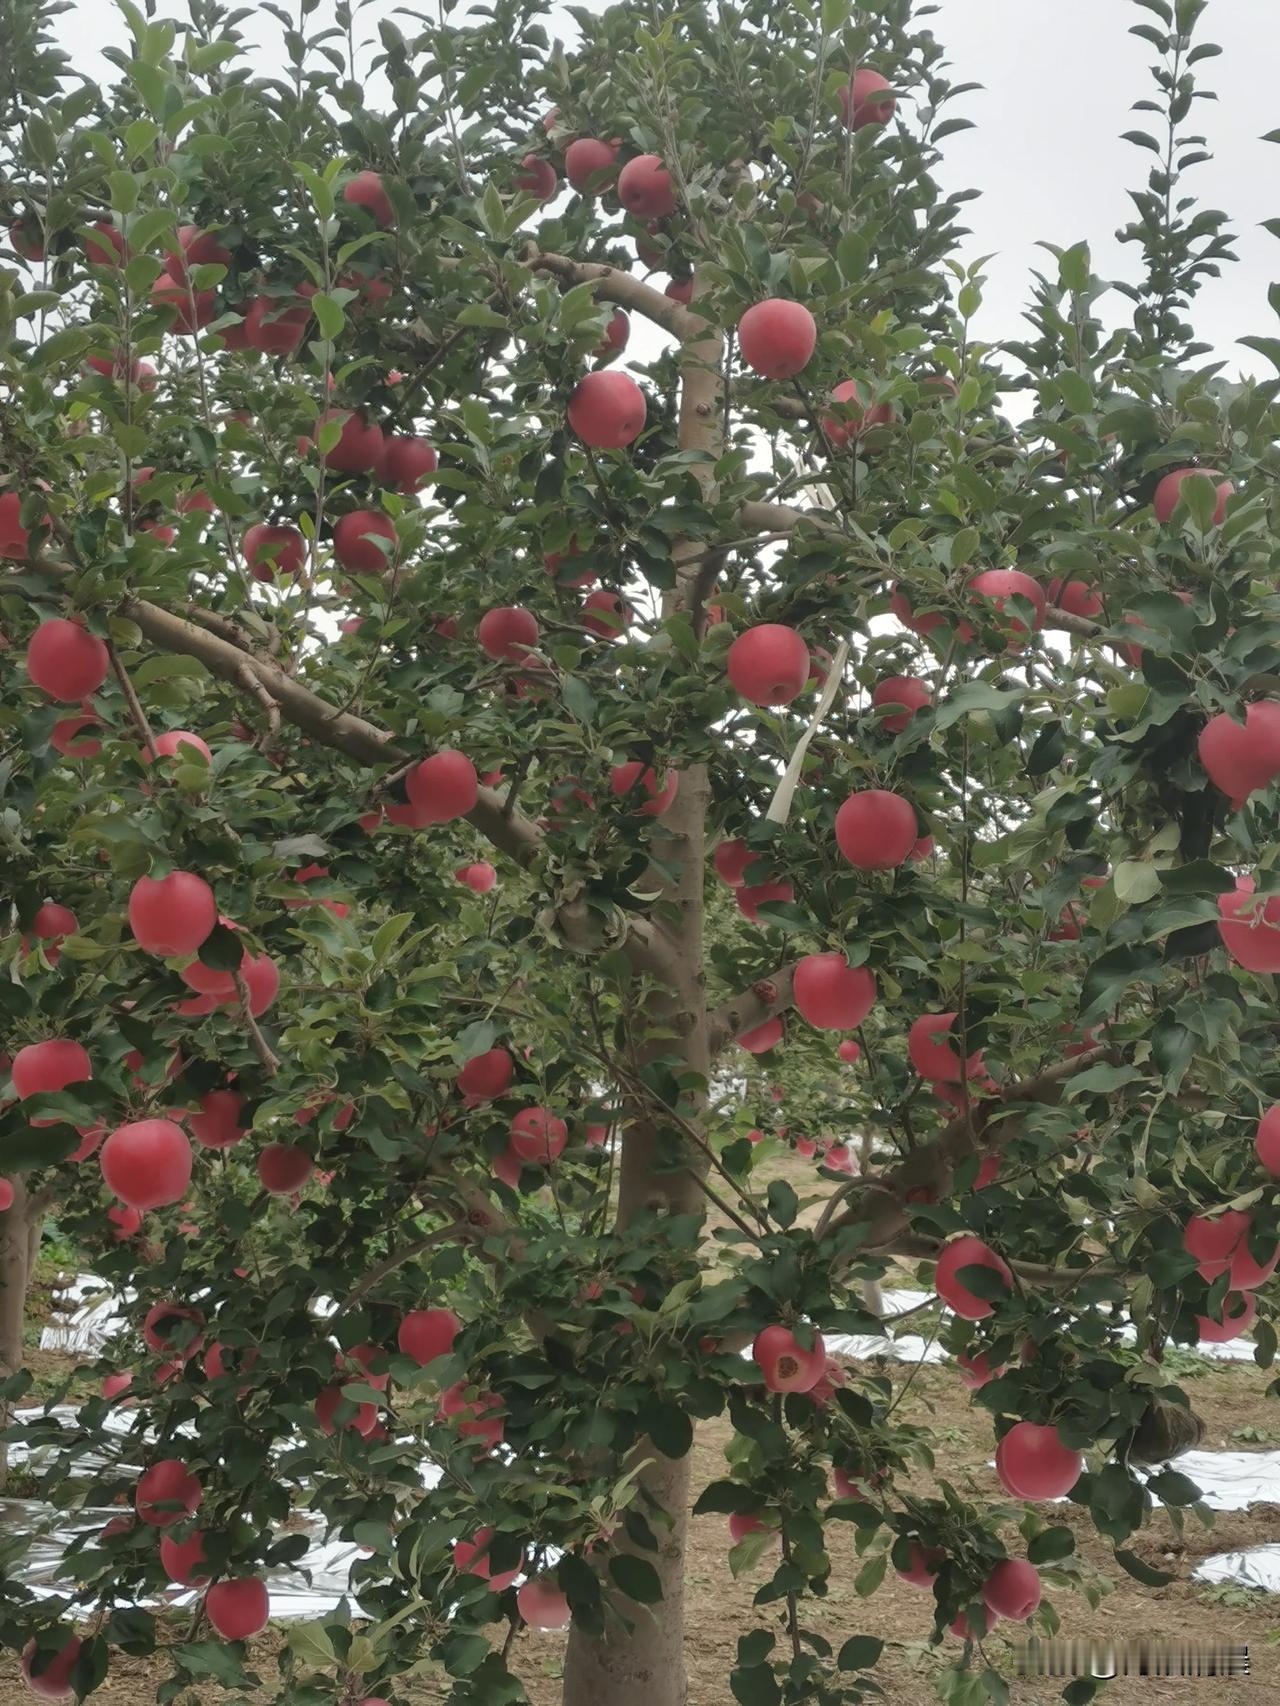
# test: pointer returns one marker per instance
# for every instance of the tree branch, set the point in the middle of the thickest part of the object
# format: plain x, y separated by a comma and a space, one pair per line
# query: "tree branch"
766, 998
388, 1265
630, 293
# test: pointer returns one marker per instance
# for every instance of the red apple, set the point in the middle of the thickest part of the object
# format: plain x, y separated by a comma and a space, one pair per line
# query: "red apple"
426, 1334
542, 1605
768, 664
193, 309
166, 1493
474, 1417
752, 896
625, 779
763, 1038
1250, 929
849, 1052
645, 188
116, 1385
970, 1626
860, 104
273, 325
240, 1609
999, 586
606, 614
49, 1676
1033, 1463
270, 549
359, 449
487, 1075
471, 1558
831, 994
1242, 759
178, 743
364, 542
967, 1252
108, 248
589, 163
508, 633
165, 1332
922, 1567
127, 1221
731, 859
742, 1523
46, 1067
928, 623
932, 1055
538, 1135
65, 661
66, 731
481, 877
786, 1366
1238, 1312
900, 690
876, 829
1168, 493
607, 409
182, 1560
777, 337
537, 177
407, 462
173, 915
1012, 1589
366, 190
196, 248
1077, 598
326, 1407
1267, 1141
680, 290
147, 1163
976, 1370
443, 787
284, 1168
849, 426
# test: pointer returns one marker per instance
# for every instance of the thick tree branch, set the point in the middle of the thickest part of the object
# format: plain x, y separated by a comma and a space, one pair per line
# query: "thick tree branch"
767, 997
630, 293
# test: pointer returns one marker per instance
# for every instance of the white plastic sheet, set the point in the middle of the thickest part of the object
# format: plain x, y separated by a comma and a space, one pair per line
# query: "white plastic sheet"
1254, 1567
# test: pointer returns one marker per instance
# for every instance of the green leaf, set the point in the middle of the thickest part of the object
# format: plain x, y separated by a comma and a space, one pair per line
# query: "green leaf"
1110, 975
329, 316
387, 935
579, 698
637, 1578
783, 1202
1173, 1488
860, 1652
1051, 1545
973, 697
310, 1642
1136, 881
1142, 1572
1076, 391
222, 949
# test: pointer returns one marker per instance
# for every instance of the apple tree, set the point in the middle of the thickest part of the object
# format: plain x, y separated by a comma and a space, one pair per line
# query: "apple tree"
523, 591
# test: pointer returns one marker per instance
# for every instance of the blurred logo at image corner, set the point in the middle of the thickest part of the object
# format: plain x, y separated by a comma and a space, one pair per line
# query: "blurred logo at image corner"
1225, 1660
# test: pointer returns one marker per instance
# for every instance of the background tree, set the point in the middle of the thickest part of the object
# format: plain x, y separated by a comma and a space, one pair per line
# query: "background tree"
344, 555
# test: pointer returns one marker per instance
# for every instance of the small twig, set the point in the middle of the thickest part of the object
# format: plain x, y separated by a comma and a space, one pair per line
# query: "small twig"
252, 684
132, 701
270, 1064
397, 1259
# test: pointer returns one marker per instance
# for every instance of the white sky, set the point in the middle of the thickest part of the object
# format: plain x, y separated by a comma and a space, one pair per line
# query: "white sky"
1059, 78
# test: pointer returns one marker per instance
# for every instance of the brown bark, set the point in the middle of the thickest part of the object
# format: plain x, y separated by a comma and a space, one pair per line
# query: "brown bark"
18, 1239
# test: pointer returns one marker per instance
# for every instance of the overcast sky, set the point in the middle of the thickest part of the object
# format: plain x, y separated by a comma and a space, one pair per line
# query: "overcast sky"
1059, 77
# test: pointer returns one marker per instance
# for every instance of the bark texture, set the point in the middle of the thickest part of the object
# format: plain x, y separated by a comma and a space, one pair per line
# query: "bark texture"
18, 1240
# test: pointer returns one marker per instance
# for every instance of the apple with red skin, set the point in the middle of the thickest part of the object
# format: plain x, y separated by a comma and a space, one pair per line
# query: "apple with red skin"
193, 309
831, 994
763, 1038
239, 1609
1168, 493
487, 1075
50, 1678
922, 1565
183, 1560
538, 1135
849, 1051
1237, 1313
360, 443
768, 664
537, 177
116, 1385
786, 1365
999, 586
731, 859
367, 190
326, 1408
147, 1163
777, 337
173, 915
864, 100
750, 897
426, 1334
929, 622
606, 614
967, 1252
178, 743
1012, 1589
284, 1168
65, 737
406, 463
7, 1195
1250, 929
607, 409
970, 1627
273, 325
931, 1053
196, 248
471, 1558
1266, 1142
364, 542
474, 1417
443, 787
543, 1606
167, 1493
742, 1523
900, 691
846, 428
65, 661
625, 779
108, 248
645, 188
270, 550
163, 1327
589, 163
1033, 1463
26, 241
876, 829
680, 290
1242, 758
1077, 598
480, 877
976, 1369
508, 633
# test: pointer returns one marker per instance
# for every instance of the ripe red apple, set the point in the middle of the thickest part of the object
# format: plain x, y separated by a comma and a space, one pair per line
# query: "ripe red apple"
360, 443
426, 1334
786, 1366
976, 1370
284, 1168
538, 1135
1077, 598
1250, 929
270, 549
931, 1053
173, 915
742, 1523
626, 779
645, 188
65, 661
971, 1625
147, 1163
196, 248
474, 1417
166, 1493
471, 1558
876, 829
165, 1332
1267, 1141
481, 877
364, 542
537, 177
859, 105
127, 1221
218, 988
731, 859
967, 1252
238, 1610
178, 743
768, 664
193, 309
831, 994
988, 1172
326, 1407
53, 924
407, 461
606, 614
607, 409
1012, 1589
182, 1560
487, 1075
589, 163
1033, 1463
47, 1675
26, 241
108, 248
543, 1606
849, 1051
1242, 759
849, 426
274, 325
508, 633
443, 787
777, 337
999, 586
680, 290
900, 690
1238, 1312
7, 1195
922, 1567
1168, 493
66, 731
367, 190
47, 1067
763, 1038
617, 334
928, 623
750, 897
116, 1385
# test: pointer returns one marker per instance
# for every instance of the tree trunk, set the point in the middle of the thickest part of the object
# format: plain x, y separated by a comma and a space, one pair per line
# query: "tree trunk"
17, 1246
662, 1165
